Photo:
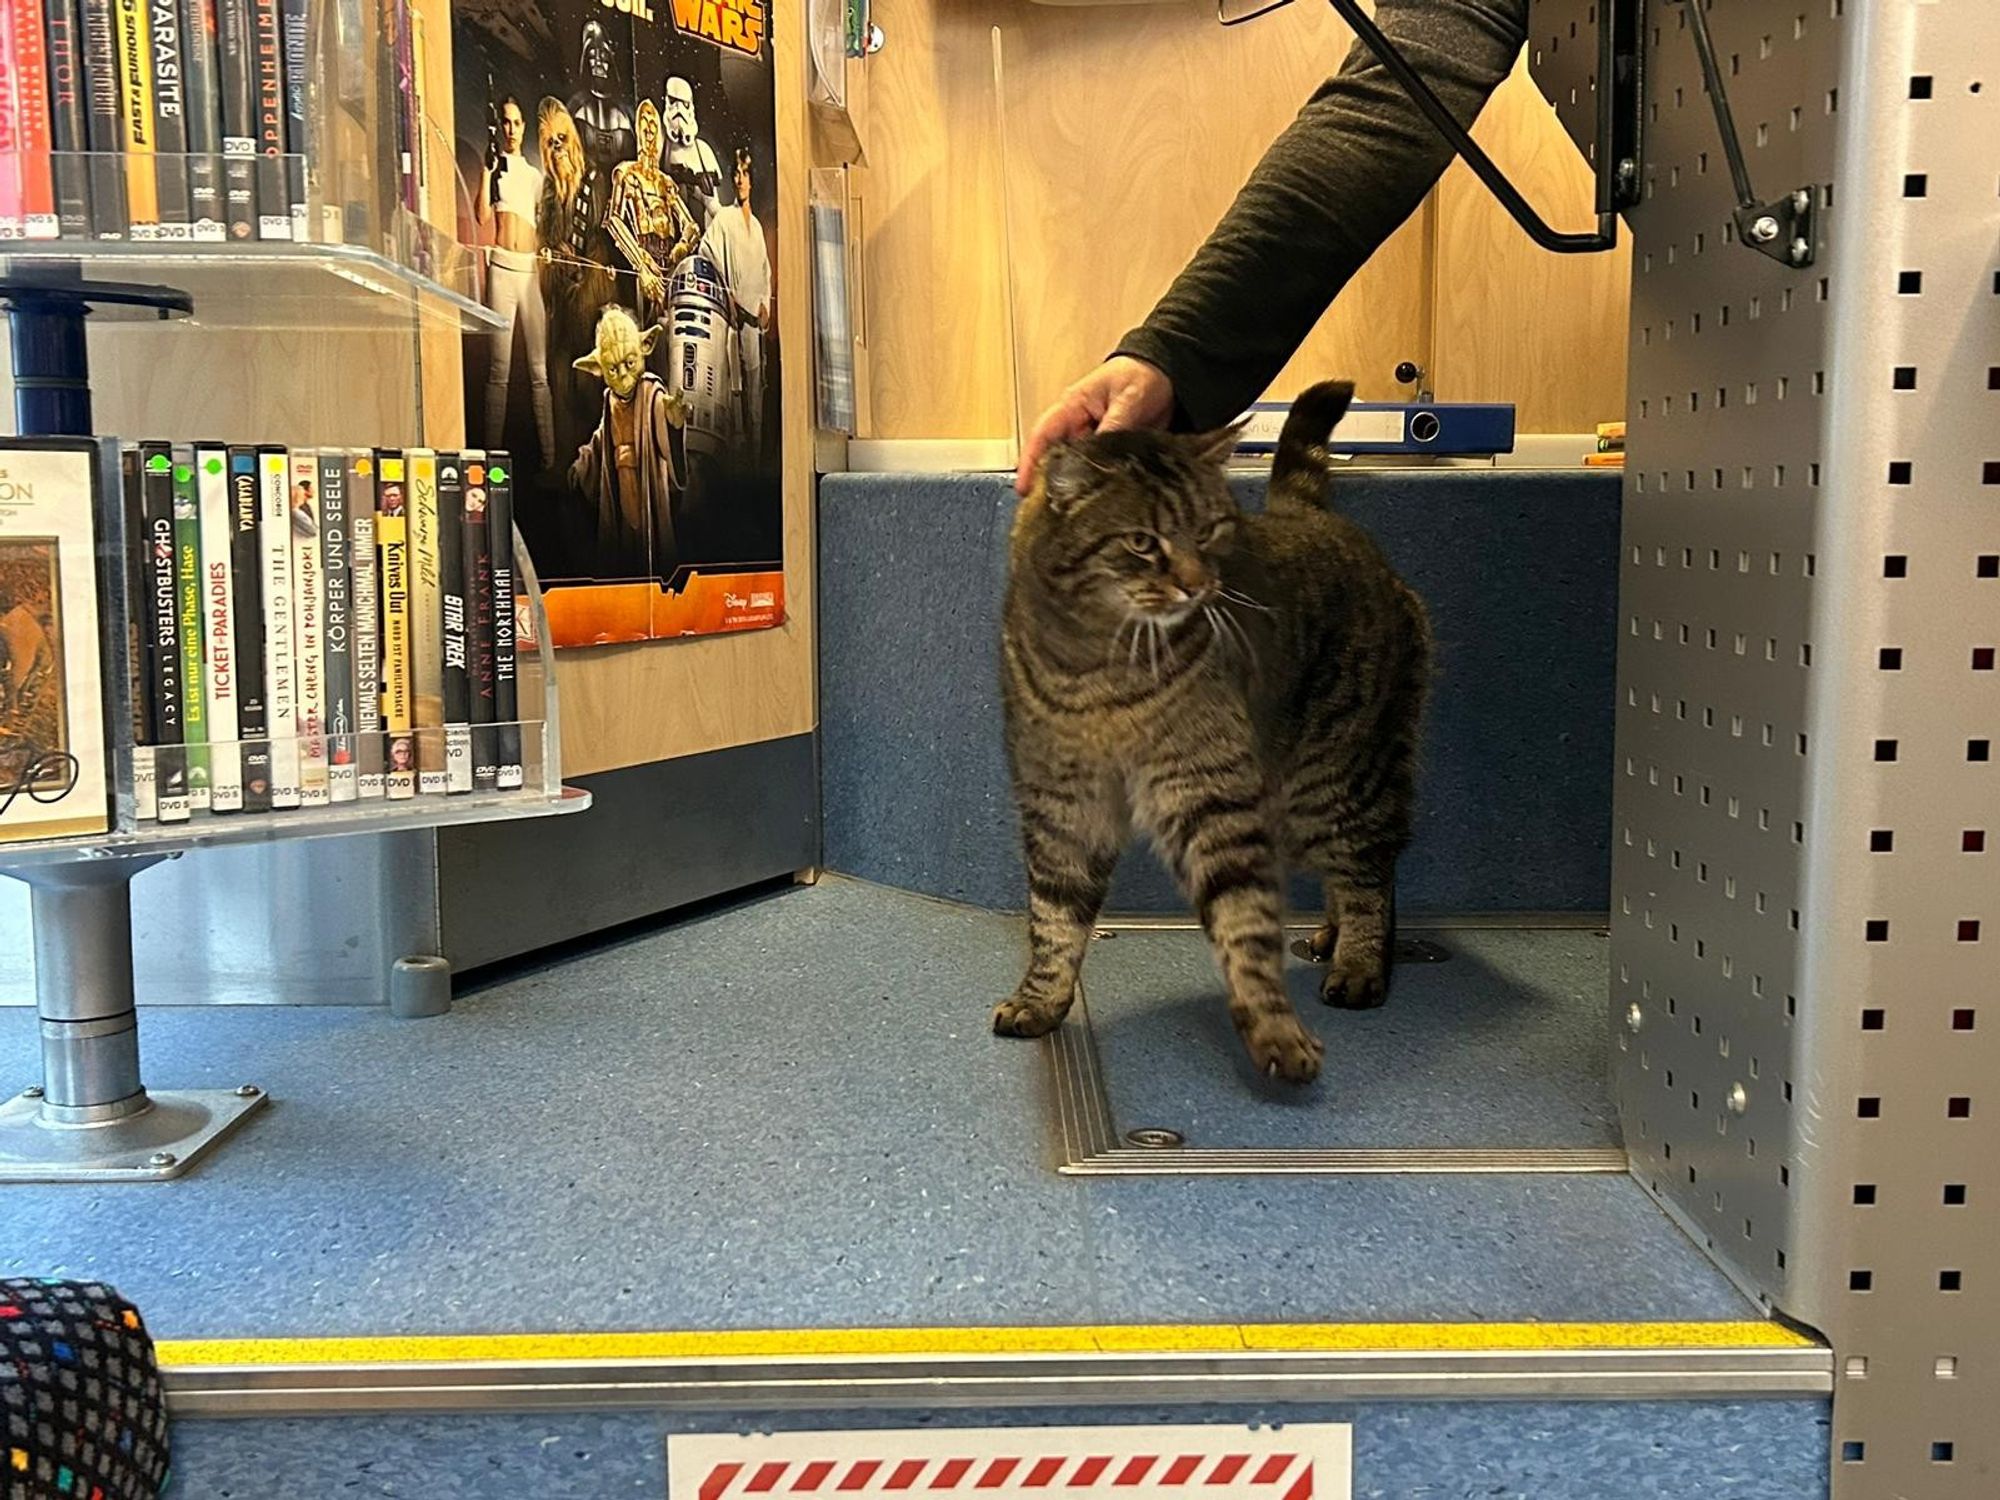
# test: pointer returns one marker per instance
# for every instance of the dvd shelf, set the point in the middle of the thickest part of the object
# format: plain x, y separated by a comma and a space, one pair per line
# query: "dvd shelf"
129, 621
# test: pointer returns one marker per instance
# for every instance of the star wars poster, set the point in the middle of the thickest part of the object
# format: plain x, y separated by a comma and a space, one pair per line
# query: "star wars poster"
616, 166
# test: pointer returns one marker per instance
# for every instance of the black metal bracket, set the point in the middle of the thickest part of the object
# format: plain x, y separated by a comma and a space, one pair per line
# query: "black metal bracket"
1781, 228
1605, 236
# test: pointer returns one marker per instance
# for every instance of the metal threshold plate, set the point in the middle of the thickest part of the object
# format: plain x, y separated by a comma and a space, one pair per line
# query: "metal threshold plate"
983, 1367
1092, 1142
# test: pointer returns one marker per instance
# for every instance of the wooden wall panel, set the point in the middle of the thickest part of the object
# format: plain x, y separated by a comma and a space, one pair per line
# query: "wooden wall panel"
1515, 323
1129, 130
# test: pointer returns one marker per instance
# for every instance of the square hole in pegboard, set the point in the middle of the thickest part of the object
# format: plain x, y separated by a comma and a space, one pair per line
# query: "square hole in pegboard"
1951, 1281
1954, 1195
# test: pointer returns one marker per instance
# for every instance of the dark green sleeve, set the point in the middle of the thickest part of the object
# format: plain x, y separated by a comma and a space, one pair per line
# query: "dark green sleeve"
1345, 174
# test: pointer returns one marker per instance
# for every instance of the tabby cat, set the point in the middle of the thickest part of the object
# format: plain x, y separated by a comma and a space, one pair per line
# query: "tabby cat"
1246, 689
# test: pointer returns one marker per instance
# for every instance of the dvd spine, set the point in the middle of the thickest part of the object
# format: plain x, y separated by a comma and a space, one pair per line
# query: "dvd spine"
506, 686
451, 604
426, 623
12, 223
138, 648
246, 570
207, 195
104, 121
274, 205
337, 623
34, 170
163, 641
218, 629
237, 49
170, 136
309, 627
281, 686
189, 589
68, 132
298, 140
392, 540
135, 113
367, 623
477, 561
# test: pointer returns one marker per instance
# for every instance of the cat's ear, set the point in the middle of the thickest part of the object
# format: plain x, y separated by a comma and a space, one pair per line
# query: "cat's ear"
1068, 476
1215, 447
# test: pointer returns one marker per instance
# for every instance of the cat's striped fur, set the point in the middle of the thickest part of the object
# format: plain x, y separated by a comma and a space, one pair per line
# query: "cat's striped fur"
1246, 689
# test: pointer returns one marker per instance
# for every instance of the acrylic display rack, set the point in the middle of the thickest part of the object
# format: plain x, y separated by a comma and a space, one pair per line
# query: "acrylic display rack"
91, 1119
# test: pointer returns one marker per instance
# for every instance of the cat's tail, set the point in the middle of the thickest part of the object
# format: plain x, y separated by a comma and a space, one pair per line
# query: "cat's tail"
1299, 472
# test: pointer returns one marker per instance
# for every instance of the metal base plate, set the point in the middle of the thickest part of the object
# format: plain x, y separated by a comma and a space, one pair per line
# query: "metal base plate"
169, 1137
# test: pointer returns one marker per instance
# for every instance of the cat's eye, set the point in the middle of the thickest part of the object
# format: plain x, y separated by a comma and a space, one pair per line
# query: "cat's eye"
1144, 543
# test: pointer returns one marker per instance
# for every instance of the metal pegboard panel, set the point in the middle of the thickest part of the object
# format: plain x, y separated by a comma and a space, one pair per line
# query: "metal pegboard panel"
1807, 818
1562, 59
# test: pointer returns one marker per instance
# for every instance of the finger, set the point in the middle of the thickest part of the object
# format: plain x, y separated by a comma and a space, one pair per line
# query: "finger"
1068, 418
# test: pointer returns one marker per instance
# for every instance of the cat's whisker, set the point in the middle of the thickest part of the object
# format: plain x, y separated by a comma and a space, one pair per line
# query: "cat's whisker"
1237, 596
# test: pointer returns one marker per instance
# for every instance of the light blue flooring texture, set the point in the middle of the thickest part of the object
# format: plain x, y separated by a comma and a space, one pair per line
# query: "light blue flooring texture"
1769, 1450
789, 1113
1501, 1045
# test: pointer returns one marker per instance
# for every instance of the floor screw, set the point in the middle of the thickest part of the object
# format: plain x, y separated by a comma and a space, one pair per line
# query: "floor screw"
162, 1159
1155, 1138
247, 1091
1102, 935
32, 1091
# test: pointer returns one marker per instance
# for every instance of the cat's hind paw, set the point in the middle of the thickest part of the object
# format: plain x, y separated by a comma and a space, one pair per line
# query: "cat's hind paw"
1355, 986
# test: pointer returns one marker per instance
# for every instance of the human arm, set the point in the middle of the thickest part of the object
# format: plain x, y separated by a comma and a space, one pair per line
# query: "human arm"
1354, 164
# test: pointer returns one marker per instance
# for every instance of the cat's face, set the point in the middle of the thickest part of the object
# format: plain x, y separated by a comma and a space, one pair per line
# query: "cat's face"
1133, 525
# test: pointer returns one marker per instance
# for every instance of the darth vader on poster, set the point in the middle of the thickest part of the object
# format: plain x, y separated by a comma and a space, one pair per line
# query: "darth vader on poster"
616, 167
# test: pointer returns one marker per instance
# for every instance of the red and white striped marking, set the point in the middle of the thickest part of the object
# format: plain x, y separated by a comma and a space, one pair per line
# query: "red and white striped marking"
1309, 1462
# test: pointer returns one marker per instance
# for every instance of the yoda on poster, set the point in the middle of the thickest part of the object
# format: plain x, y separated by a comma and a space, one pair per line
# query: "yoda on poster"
617, 170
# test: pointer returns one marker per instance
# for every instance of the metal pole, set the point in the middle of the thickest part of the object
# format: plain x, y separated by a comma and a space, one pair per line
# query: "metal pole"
83, 990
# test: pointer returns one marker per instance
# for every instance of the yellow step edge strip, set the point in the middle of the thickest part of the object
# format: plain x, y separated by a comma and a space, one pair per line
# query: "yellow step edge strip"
1235, 1338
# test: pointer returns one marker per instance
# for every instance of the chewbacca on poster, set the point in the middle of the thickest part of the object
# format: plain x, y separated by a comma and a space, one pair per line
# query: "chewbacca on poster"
576, 275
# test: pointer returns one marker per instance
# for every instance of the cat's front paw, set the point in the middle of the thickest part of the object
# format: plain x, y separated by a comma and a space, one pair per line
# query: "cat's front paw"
1281, 1047
1355, 985
1026, 1016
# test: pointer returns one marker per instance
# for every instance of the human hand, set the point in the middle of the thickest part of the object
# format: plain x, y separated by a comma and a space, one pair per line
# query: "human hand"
1120, 393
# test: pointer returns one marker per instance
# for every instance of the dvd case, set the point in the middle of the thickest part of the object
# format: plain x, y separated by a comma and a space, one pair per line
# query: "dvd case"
104, 121
68, 137
162, 635
477, 561
426, 622
200, 60
274, 203
138, 658
246, 569
392, 542
506, 688
135, 113
34, 172
298, 139
308, 632
281, 687
189, 588
218, 625
170, 136
367, 622
337, 624
236, 49
452, 619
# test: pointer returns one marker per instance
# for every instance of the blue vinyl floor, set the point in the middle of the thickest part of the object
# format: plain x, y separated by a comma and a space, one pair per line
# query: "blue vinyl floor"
1503, 1044
790, 1113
